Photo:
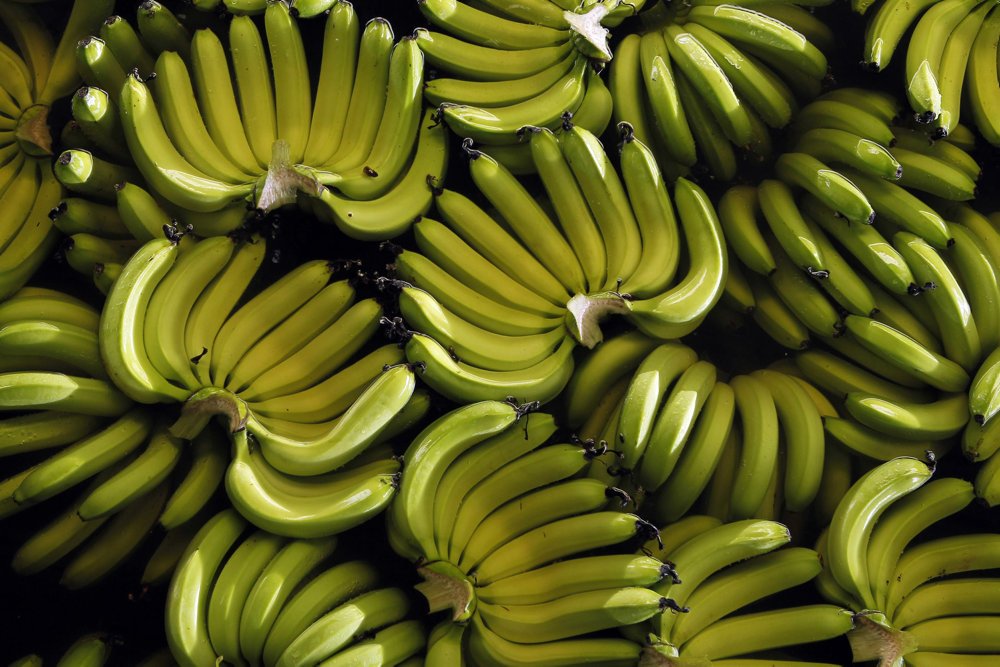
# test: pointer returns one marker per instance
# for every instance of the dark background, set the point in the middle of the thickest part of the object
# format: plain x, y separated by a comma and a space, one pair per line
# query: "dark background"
37, 615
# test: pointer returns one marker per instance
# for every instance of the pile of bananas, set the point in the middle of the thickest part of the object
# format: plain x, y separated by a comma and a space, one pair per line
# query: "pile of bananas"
691, 358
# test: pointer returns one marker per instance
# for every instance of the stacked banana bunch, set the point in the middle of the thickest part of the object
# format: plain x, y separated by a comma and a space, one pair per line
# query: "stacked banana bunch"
497, 309
749, 446
706, 78
264, 599
285, 369
32, 76
953, 46
499, 522
727, 567
510, 65
911, 609
358, 151
134, 473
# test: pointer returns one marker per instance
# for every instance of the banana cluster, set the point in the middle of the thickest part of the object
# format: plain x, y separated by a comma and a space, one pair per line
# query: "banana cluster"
499, 521
724, 568
953, 45
264, 599
132, 470
161, 107
491, 306
910, 606
507, 66
289, 368
704, 79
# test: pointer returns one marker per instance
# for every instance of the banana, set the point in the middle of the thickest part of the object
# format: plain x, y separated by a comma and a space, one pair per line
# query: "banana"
655, 215
980, 442
923, 56
33, 241
394, 644
935, 420
947, 598
546, 465
542, 381
876, 445
208, 465
902, 522
843, 115
113, 545
738, 210
471, 61
84, 251
97, 65
986, 481
410, 197
678, 311
844, 284
292, 95
556, 540
75, 215
700, 456
758, 419
495, 93
140, 213
931, 175
164, 559
641, 403
126, 44
43, 430
907, 354
498, 125
527, 512
769, 629
898, 207
943, 151
937, 558
84, 173
608, 202
788, 226
742, 584
708, 552
258, 315
982, 61
489, 29
98, 118
948, 302
828, 185
90, 650
857, 515
121, 334
803, 297
573, 212
488, 648
137, 478
232, 586
334, 630
65, 344
528, 221
848, 148
983, 392
161, 29
160, 162
186, 615
277, 581
57, 391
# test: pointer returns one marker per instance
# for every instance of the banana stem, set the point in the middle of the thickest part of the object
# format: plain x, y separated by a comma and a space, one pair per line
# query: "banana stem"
205, 404
33, 133
283, 180
585, 312
446, 587
871, 640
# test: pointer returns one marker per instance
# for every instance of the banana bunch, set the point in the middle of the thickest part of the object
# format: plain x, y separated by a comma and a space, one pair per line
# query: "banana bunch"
135, 473
705, 78
906, 617
289, 368
725, 567
259, 598
507, 66
32, 77
952, 45
498, 520
499, 307
358, 149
